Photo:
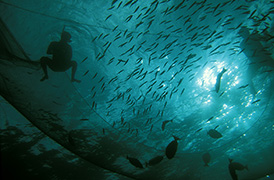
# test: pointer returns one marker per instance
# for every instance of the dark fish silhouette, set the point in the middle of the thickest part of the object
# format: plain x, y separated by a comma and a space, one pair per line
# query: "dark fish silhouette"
206, 158
241, 87
154, 161
214, 134
198, 130
113, 2
70, 139
128, 3
84, 119
164, 124
210, 118
258, 100
135, 162
232, 173
236, 165
171, 148
86, 72
108, 17
84, 59
218, 81
233, 166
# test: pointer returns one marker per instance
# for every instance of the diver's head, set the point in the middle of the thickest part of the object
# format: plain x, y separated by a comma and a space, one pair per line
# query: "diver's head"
65, 36
244, 32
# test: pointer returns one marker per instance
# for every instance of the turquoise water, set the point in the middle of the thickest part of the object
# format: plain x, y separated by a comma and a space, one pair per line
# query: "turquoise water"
140, 63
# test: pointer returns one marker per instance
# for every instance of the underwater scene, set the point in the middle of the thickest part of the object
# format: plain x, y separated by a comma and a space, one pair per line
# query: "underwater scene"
137, 89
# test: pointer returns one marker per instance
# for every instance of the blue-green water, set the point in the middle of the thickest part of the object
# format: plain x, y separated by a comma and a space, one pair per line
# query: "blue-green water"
141, 63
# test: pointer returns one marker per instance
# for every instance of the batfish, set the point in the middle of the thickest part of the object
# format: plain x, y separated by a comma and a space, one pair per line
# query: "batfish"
233, 166
172, 148
135, 162
154, 161
206, 158
237, 166
214, 133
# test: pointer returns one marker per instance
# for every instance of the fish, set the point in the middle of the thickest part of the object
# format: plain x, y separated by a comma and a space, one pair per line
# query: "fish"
70, 139
105, 36
139, 16
221, 94
136, 131
128, 3
105, 44
119, 4
241, 87
216, 8
180, 81
258, 100
268, 71
236, 166
135, 162
84, 119
100, 35
56, 103
101, 79
108, 17
218, 81
128, 18
154, 161
250, 17
192, 5
121, 45
164, 124
113, 2
149, 120
198, 130
232, 173
133, 3
206, 47
179, 5
122, 120
86, 72
182, 91
84, 59
113, 79
214, 133
206, 158
210, 118
171, 148
115, 28
151, 128
111, 8
136, 9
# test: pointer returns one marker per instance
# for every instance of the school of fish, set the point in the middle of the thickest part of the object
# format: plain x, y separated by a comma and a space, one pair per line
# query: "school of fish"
156, 54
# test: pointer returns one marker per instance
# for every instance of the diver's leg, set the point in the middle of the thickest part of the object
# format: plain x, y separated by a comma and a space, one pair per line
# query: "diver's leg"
251, 72
73, 71
252, 88
44, 61
270, 62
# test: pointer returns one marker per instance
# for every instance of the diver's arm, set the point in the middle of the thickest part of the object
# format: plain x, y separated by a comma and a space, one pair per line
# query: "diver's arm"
265, 38
262, 37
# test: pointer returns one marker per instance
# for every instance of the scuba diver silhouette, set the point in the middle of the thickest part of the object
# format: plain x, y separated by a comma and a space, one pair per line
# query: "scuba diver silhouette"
256, 53
61, 57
